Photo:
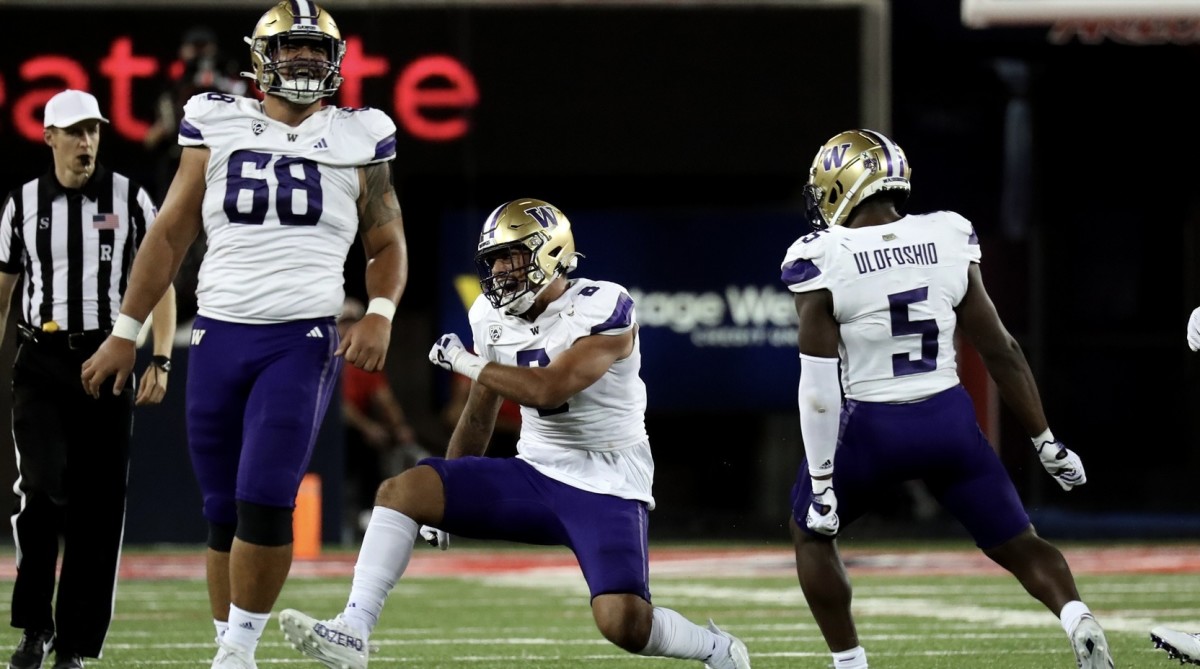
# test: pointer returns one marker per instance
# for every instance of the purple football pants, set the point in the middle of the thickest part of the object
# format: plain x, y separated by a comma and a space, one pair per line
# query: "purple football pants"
936, 440
256, 396
507, 499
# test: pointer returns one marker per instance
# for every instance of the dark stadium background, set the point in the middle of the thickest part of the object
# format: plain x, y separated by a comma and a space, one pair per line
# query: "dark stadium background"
1069, 146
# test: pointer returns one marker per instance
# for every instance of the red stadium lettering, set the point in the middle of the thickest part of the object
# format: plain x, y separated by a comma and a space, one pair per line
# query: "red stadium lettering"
412, 99
27, 108
430, 97
122, 67
357, 66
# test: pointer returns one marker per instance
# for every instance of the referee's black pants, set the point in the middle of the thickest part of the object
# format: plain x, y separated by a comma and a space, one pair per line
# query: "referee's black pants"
73, 468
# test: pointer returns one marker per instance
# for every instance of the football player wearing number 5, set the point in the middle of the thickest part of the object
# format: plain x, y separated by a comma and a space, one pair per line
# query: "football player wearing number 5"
281, 187
882, 295
567, 351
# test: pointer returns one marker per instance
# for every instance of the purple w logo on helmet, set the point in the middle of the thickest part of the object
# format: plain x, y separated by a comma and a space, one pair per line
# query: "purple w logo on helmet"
544, 215
834, 155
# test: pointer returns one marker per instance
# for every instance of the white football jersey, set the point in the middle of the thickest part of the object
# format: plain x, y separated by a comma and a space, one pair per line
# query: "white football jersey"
596, 441
280, 205
894, 288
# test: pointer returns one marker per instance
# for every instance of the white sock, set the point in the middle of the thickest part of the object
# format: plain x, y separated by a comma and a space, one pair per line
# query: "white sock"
382, 559
855, 658
1071, 613
221, 626
672, 635
244, 628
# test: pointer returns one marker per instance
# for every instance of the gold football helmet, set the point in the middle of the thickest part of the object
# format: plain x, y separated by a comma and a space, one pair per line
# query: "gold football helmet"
850, 168
524, 245
293, 23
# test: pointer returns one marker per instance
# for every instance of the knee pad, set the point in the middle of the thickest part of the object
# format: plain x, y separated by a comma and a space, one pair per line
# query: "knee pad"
264, 525
220, 537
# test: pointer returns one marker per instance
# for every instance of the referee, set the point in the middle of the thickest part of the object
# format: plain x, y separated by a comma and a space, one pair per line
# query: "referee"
71, 235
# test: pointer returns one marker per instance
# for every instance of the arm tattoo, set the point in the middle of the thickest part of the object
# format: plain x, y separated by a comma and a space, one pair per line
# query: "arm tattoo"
378, 205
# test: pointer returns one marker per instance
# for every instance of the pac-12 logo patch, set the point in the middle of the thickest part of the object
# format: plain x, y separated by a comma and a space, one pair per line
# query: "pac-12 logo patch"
494, 332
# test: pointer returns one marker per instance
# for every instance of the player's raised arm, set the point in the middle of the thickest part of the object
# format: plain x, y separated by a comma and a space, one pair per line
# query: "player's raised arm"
571, 371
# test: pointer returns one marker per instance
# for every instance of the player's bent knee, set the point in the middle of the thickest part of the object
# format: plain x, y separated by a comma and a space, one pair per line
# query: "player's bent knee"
264, 525
625, 620
220, 537
417, 493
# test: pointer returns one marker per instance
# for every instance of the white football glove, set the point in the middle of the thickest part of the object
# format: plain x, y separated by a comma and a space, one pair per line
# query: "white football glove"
435, 537
1194, 330
446, 350
822, 513
449, 353
1062, 464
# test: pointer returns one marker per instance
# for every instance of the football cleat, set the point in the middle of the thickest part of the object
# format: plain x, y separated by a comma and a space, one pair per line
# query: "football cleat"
1091, 648
738, 656
232, 657
1179, 645
333, 643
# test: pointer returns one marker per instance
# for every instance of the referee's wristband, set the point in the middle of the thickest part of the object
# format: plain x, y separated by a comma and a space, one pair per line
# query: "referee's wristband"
382, 306
126, 327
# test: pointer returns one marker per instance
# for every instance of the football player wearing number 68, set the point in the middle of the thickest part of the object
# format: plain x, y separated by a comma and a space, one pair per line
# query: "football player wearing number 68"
880, 295
567, 351
281, 188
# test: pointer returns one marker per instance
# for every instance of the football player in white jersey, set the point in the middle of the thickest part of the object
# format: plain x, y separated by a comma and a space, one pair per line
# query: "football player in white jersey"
566, 350
1182, 646
280, 187
881, 295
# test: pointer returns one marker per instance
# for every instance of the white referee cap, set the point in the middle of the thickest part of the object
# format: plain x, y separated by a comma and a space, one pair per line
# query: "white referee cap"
70, 107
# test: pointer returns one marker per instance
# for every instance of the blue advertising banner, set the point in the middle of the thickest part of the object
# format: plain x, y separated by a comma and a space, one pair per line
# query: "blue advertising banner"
718, 328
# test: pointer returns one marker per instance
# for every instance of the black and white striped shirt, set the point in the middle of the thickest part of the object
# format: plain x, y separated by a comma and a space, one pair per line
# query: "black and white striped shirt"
74, 248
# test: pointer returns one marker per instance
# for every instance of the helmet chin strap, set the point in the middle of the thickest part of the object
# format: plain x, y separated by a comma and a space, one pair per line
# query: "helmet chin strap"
525, 302
850, 193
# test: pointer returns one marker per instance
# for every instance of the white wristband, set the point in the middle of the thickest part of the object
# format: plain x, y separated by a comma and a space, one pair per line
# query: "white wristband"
382, 306
469, 365
126, 327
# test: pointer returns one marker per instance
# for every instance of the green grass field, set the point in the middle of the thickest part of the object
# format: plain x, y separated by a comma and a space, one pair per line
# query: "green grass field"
532, 611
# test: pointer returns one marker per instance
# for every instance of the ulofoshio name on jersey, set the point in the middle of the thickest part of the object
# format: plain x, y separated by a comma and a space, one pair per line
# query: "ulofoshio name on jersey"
888, 257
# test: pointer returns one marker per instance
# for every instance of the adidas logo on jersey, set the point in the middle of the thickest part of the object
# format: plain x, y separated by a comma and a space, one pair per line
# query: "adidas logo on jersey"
321, 144
315, 332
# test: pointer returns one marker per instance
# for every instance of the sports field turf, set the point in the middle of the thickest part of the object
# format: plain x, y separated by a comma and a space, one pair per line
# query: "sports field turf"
484, 606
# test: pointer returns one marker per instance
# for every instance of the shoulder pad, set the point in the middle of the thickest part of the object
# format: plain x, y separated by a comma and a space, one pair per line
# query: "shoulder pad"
375, 125
205, 110
800, 270
602, 307
963, 231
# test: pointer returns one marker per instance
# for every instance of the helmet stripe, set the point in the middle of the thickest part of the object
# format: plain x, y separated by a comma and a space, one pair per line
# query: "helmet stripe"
302, 13
489, 226
889, 152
